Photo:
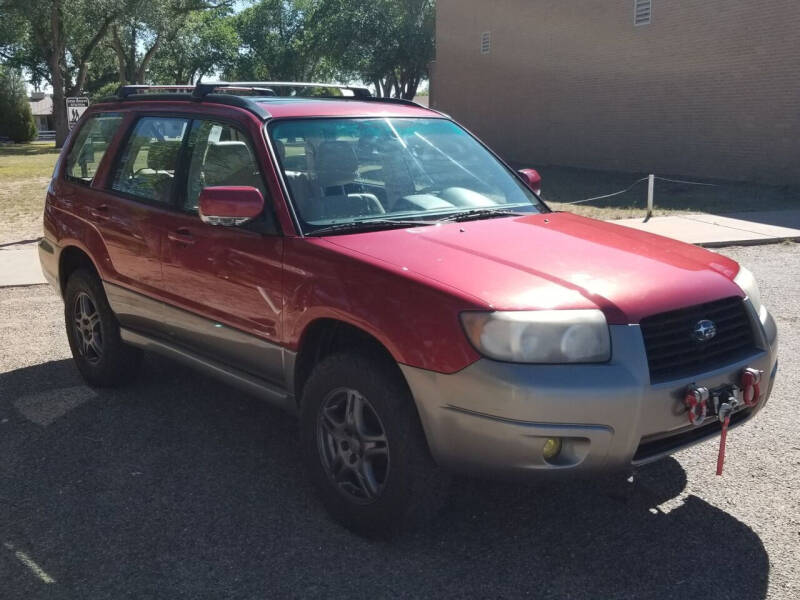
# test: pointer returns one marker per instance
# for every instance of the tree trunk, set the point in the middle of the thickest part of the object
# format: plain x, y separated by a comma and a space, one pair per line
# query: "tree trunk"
410, 88
141, 72
116, 45
83, 67
59, 109
56, 60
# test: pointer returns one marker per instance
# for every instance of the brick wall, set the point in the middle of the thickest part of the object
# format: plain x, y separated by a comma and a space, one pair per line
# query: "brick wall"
709, 88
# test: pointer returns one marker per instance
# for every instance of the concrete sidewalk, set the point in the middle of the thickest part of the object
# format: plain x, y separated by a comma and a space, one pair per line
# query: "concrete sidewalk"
716, 231
19, 264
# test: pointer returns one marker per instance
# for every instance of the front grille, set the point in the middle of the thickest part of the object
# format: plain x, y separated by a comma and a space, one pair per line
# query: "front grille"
659, 446
672, 351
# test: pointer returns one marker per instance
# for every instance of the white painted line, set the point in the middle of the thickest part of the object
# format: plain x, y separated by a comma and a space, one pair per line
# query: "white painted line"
30, 563
45, 407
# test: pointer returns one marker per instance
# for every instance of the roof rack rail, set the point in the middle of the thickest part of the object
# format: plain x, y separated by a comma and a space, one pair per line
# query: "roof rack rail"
185, 93
274, 88
125, 91
219, 92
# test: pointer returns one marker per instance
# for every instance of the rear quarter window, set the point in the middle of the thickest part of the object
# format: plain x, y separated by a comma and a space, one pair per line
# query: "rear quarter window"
90, 146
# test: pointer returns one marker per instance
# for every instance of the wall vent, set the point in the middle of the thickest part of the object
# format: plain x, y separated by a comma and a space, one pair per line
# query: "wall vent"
642, 11
486, 42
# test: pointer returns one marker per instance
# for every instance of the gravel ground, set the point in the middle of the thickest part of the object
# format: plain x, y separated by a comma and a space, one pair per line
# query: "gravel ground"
179, 487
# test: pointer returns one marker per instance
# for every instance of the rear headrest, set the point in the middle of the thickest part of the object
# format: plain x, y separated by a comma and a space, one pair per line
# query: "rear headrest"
336, 162
225, 159
280, 149
163, 156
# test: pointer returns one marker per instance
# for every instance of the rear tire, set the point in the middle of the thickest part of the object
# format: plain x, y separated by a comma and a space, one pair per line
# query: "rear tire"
365, 448
101, 356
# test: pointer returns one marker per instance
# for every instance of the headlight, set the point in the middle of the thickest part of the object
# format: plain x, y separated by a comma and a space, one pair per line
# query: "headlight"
541, 336
745, 280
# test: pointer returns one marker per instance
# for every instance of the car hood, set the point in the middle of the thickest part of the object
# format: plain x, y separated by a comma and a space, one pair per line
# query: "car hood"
554, 261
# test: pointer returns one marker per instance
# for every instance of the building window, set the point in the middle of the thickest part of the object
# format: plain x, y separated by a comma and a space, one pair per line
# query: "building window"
486, 42
642, 12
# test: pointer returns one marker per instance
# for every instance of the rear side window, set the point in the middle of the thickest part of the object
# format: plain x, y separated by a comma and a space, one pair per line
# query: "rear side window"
221, 156
150, 158
90, 146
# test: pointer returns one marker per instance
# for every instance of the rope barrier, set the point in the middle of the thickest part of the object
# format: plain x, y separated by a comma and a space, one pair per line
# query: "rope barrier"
687, 182
627, 189
631, 186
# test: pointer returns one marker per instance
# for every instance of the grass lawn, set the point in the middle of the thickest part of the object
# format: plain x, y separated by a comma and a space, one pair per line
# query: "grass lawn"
25, 171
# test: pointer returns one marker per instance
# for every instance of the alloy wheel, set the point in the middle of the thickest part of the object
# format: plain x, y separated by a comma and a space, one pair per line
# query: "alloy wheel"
353, 445
88, 328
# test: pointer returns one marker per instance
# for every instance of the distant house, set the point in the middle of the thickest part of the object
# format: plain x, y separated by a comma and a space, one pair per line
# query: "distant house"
705, 88
42, 109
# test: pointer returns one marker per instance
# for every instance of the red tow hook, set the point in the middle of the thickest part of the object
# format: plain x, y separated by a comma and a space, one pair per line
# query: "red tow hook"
724, 402
751, 393
750, 397
696, 402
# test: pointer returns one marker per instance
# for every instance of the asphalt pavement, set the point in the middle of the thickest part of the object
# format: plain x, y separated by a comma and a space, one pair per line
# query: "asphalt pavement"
180, 487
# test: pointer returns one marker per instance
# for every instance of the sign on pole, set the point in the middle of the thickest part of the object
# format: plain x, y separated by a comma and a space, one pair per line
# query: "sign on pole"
75, 108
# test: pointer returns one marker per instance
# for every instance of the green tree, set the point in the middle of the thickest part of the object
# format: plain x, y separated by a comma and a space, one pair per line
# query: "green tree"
146, 26
102, 78
206, 43
279, 43
16, 120
104, 91
57, 43
388, 43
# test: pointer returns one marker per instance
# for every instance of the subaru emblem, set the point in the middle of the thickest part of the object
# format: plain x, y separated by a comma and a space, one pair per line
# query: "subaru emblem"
704, 330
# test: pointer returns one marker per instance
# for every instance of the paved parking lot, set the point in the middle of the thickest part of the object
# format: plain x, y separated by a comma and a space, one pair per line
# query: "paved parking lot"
180, 487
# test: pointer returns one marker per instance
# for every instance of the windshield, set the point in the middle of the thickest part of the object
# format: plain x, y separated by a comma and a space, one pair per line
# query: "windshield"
365, 171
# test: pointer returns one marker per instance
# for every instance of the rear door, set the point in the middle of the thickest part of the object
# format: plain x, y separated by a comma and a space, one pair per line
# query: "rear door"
224, 284
138, 194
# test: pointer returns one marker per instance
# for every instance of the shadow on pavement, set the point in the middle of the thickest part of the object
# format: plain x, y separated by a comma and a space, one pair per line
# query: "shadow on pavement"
180, 487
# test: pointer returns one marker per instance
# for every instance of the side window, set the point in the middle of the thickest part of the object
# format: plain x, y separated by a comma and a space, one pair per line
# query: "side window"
90, 146
221, 155
150, 158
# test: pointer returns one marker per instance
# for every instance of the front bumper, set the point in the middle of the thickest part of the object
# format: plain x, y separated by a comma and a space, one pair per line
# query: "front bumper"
493, 418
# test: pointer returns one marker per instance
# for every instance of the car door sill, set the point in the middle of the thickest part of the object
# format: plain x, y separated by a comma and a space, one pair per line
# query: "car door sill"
244, 381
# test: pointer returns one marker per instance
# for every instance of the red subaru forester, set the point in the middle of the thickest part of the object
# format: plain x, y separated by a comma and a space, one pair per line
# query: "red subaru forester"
371, 266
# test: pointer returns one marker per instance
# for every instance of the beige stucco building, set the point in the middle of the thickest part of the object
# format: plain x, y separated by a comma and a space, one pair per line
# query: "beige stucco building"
707, 88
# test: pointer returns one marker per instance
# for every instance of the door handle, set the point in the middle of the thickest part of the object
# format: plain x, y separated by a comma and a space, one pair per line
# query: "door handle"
181, 236
100, 213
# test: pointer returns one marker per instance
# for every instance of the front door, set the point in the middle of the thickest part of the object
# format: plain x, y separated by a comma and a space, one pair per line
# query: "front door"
224, 284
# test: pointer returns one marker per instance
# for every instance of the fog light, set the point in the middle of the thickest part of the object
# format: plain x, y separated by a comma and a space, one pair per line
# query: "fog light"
551, 448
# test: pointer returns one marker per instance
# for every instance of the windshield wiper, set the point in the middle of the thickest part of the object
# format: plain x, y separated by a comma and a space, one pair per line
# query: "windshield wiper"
369, 225
479, 213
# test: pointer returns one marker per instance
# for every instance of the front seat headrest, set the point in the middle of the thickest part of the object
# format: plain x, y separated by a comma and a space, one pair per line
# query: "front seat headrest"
336, 163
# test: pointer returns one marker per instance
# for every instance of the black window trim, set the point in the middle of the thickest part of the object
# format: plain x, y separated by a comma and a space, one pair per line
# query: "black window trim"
123, 146
175, 204
185, 164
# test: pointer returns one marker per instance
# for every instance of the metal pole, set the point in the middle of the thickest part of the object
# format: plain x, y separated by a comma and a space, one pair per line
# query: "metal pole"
651, 179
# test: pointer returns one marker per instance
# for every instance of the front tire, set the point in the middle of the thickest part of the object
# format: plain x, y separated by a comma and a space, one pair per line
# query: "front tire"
365, 448
101, 356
